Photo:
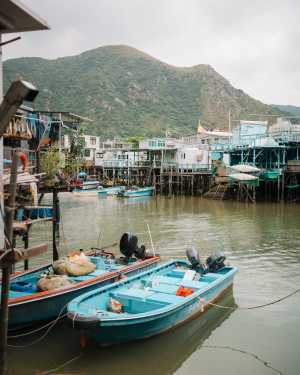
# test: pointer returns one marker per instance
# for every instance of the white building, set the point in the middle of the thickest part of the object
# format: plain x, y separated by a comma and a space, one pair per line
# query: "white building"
285, 131
212, 138
191, 157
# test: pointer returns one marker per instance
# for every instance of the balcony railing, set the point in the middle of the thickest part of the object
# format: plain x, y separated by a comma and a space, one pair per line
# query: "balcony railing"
154, 164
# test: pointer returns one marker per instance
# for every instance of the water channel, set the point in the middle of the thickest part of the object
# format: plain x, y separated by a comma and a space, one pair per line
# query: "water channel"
262, 240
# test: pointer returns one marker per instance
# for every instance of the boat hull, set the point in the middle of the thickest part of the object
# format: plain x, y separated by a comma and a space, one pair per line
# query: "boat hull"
108, 335
85, 192
113, 190
143, 192
43, 306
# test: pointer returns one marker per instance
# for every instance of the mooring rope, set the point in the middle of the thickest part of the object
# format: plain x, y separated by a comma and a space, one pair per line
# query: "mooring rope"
62, 365
255, 356
202, 300
49, 324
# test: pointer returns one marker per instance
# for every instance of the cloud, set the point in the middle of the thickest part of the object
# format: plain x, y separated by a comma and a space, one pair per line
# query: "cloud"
253, 44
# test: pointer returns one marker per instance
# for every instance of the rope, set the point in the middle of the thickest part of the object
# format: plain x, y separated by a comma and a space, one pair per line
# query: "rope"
50, 325
202, 300
62, 365
255, 356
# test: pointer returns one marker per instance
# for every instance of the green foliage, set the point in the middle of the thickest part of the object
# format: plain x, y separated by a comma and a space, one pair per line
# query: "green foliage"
134, 140
129, 93
51, 163
77, 145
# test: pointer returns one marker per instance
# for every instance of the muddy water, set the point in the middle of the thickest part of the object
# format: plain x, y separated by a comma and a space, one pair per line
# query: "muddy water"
262, 240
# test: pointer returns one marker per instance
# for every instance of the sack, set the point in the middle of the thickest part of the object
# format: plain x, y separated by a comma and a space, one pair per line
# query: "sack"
75, 266
80, 267
51, 282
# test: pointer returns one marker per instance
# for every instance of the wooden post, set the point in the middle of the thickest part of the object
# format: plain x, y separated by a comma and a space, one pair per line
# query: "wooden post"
282, 185
9, 217
26, 243
55, 225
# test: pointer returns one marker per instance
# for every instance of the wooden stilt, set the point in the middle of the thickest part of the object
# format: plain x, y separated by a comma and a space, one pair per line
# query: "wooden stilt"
9, 216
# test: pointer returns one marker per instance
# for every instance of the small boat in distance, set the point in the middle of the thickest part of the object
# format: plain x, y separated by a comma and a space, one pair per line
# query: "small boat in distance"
30, 304
85, 182
136, 192
85, 193
151, 302
112, 190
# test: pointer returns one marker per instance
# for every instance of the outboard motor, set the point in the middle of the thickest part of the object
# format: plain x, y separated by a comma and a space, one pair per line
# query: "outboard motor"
196, 264
129, 247
215, 261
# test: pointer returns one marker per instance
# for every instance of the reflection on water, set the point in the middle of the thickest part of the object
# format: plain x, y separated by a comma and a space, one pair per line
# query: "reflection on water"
170, 350
262, 240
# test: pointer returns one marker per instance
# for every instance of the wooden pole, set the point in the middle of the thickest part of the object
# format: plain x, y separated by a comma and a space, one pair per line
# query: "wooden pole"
9, 217
55, 224
26, 243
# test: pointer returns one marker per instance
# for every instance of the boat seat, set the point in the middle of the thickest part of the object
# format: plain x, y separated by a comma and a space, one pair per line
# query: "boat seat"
165, 280
132, 293
194, 284
179, 273
165, 298
164, 288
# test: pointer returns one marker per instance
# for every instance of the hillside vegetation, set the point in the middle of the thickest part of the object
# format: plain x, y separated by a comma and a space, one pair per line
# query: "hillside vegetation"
128, 92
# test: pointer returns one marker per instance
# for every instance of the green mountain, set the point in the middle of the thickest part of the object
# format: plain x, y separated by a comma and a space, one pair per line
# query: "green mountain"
293, 110
128, 92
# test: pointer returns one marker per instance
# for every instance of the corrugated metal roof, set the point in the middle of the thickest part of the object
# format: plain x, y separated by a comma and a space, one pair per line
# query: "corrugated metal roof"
16, 17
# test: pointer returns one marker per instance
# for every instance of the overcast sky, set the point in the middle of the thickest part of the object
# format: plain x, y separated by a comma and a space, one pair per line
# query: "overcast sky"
254, 44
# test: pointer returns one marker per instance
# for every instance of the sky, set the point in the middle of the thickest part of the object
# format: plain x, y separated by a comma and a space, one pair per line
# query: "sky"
254, 44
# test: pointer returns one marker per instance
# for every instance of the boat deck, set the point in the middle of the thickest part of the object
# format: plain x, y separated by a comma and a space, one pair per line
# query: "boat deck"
149, 293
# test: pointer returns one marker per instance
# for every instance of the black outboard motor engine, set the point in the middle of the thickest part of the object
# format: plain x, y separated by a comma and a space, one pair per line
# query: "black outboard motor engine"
129, 247
215, 261
196, 264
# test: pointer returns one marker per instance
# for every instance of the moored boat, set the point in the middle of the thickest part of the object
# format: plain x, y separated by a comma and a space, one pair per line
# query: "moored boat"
85, 192
28, 304
113, 190
152, 302
136, 192
85, 182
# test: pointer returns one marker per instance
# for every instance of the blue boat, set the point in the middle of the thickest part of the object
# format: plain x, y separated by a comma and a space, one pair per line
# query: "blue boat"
112, 190
149, 303
85, 192
28, 305
137, 192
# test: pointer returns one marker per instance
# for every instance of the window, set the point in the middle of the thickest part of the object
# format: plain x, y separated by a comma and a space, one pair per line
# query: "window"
99, 155
93, 140
107, 146
87, 153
